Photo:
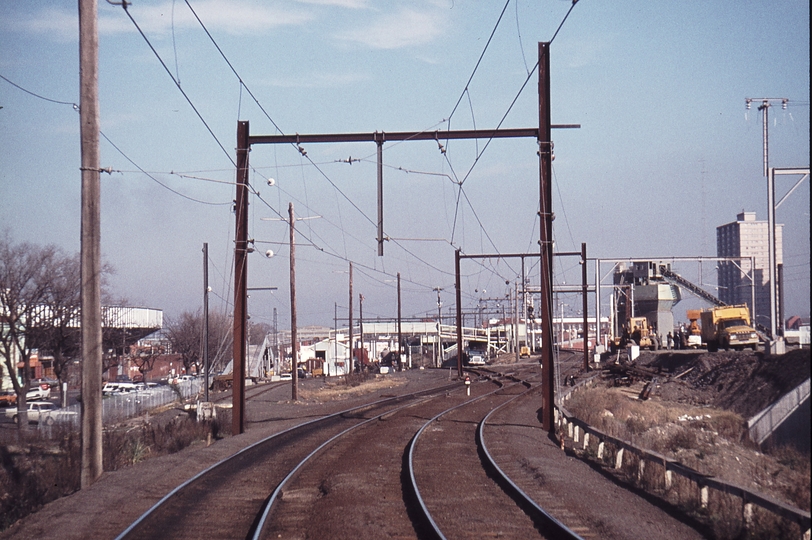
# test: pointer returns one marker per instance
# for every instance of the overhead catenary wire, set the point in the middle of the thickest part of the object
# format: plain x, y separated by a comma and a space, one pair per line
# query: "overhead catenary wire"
304, 154
148, 175
74, 105
318, 168
119, 150
242, 83
152, 177
504, 116
476, 67
180, 88
140, 169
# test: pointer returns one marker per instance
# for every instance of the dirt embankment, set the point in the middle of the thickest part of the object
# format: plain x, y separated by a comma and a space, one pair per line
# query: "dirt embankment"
697, 411
743, 382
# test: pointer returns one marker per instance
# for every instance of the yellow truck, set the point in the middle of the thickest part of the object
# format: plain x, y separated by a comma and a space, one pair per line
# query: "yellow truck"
728, 327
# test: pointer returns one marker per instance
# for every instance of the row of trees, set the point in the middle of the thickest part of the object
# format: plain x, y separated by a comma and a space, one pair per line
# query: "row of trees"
40, 293
39, 304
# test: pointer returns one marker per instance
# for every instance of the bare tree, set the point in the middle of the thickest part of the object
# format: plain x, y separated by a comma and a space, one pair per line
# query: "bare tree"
185, 335
25, 271
144, 357
57, 326
258, 331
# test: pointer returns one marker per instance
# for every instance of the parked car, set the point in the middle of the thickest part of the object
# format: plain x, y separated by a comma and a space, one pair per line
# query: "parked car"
38, 393
50, 383
146, 387
42, 411
113, 388
8, 398
126, 388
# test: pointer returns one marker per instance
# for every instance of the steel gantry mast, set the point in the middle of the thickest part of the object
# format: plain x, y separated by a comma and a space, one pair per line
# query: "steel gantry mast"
546, 241
542, 135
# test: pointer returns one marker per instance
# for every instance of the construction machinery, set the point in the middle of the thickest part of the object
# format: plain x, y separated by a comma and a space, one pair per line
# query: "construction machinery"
692, 339
637, 331
642, 291
728, 327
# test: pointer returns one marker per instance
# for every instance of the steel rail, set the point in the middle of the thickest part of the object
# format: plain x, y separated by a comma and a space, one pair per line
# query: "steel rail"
233, 456
551, 525
426, 514
260, 528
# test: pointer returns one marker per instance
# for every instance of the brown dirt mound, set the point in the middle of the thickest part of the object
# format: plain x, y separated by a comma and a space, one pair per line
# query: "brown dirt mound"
743, 382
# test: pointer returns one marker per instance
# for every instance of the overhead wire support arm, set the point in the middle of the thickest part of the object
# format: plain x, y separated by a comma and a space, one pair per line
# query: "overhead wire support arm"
374, 136
380, 137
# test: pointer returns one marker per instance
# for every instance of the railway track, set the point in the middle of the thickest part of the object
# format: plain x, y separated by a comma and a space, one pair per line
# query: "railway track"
227, 499
459, 487
327, 474
432, 464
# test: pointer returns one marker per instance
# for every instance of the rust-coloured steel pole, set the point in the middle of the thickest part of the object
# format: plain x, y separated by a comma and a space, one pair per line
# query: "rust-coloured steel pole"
379, 141
349, 369
459, 311
400, 330
294, 337
546, 241
240, 283
585, 305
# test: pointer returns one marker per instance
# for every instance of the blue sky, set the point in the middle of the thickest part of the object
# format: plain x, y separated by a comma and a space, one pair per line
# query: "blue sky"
665, 153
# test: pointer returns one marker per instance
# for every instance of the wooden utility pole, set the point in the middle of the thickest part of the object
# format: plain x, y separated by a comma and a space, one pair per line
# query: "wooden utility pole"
361, 327
294, 338
92, 459
546, 241
240, 283
206, 316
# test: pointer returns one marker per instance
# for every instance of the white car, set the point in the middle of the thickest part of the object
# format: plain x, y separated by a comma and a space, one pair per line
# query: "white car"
42, 411
109, 388
38, 393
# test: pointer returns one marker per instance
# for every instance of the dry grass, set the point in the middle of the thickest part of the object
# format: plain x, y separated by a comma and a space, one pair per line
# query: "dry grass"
352, 385
37, 471
708, 440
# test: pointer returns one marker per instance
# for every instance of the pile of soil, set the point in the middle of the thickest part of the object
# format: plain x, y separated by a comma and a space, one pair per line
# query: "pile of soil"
740, 381
744, 383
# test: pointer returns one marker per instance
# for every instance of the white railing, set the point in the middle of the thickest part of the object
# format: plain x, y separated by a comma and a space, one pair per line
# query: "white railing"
582, 434
762, 425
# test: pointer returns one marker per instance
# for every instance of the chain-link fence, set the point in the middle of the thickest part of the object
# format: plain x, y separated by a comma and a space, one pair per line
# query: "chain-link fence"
121, 406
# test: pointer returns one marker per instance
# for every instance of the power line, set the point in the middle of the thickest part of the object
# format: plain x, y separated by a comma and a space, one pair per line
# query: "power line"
177, 84
74, 105
158, 181
119, 150
481, 56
